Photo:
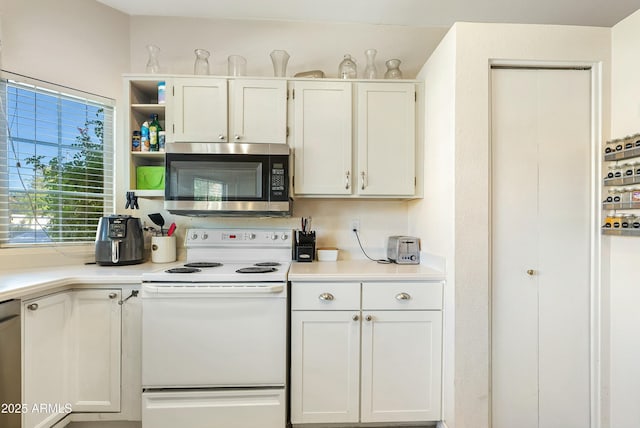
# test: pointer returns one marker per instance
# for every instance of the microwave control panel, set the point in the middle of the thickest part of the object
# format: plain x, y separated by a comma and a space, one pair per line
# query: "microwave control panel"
279, 179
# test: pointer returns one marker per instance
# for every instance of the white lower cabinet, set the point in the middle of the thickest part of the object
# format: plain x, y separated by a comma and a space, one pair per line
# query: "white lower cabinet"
47, 322
366, 352
71, 355
95, 356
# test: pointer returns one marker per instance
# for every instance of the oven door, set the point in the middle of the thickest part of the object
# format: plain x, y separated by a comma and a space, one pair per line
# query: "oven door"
213, 335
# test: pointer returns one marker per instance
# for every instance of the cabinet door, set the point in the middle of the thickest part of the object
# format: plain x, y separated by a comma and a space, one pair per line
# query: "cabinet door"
96, 351
401, 366
325, 355
46, 352
322, 138
199, 110
386, 139
258, 112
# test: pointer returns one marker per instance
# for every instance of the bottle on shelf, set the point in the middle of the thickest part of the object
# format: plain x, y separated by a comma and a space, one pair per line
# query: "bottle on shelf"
154, 130
144, 137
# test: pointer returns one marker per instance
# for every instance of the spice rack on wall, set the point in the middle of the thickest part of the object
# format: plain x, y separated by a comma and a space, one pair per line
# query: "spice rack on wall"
622, 186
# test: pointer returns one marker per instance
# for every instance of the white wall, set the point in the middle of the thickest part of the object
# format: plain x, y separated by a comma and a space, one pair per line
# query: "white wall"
624, 252
432, 218
311, 45
476, 46
77, 43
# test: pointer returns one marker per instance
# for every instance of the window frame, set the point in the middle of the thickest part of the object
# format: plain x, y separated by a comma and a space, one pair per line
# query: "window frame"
8, 79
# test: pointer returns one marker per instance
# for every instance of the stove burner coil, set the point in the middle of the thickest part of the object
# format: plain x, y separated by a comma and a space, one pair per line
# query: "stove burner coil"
182, 270
203, 264
267, 264
256, 269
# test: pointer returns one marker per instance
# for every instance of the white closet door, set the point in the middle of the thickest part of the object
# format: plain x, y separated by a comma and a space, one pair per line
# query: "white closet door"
541, 175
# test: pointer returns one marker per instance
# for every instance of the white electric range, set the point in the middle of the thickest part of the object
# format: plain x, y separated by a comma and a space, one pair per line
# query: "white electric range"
214, 332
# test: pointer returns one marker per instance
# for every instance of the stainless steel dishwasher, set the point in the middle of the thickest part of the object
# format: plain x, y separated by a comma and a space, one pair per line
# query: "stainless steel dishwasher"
10, 356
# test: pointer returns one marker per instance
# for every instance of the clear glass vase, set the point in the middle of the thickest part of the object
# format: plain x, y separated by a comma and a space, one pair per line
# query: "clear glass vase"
236, 65
348, 68
153, 66
370, 71
393, 69
279, 58
201, 66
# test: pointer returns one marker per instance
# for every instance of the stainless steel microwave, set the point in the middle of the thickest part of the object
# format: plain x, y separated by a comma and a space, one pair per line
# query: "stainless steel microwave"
227, 179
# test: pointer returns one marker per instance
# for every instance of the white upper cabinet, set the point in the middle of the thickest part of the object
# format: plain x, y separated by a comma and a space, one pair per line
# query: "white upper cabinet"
258, 111
322, 138
198, 108
206, 109
362, 147
386, 141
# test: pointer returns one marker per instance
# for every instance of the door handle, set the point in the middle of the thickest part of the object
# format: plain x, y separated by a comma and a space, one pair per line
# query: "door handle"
346, 183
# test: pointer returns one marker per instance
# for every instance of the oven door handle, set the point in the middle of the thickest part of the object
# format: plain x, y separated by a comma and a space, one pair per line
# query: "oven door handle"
214, 289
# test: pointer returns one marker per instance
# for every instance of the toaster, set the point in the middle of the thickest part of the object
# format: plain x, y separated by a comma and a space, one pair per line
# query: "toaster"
404, 250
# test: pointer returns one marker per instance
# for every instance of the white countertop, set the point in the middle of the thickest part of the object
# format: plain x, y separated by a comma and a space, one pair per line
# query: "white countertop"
362, 270
20, 283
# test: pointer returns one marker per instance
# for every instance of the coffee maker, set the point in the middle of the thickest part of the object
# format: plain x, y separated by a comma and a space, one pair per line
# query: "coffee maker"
119, 241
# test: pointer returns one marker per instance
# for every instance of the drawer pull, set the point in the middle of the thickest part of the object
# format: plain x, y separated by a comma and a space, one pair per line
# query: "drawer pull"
356, 317
326, 296
403, 296
369, 318
113, 295
33, 307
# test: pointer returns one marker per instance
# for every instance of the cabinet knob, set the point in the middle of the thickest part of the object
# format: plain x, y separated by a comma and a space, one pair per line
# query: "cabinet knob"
326, 296
221, 137
236, 137
531, 272
356, 317
369, 318
403, 296
33, 307
113, 295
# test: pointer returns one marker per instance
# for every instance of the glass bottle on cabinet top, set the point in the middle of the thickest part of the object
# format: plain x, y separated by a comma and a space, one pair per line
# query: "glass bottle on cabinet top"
201, 66
348, 68
153, 66
370, 71
279, 58
393, 69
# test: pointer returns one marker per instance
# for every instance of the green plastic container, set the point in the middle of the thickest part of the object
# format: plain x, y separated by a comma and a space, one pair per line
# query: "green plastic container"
150, 177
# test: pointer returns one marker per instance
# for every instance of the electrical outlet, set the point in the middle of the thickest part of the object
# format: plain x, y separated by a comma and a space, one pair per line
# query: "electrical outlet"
355, 225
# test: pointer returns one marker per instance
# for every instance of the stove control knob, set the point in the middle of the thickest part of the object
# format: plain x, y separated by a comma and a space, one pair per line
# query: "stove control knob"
274, 237
194, 236
205, 236
285, 237
251, 236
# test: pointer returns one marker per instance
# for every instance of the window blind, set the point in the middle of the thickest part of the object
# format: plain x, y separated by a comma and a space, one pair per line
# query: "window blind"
56, 164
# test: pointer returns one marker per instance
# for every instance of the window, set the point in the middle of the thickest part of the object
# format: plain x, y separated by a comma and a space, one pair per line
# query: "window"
56, 163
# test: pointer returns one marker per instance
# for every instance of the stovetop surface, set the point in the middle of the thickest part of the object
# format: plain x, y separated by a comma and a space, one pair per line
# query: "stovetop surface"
226, 272
227, 251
